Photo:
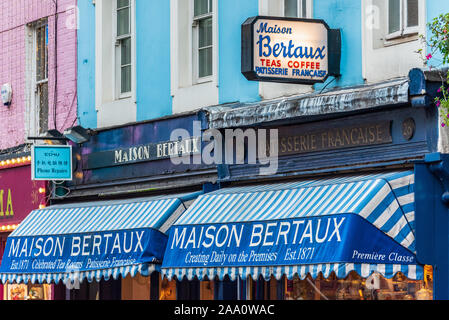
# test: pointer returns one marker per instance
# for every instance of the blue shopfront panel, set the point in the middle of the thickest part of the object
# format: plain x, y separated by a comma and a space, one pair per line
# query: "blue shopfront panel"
82, 252
344, 238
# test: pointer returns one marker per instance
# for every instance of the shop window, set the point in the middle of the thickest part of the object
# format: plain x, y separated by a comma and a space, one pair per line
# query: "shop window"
167, 289
155, 280
37, 75
354, 287
84, 292
403, 18
110, 290
103, 290
3, 239
135, 288
297, 8
226, 289
188, 289
265, 290
27, 291
207, 290
202, 40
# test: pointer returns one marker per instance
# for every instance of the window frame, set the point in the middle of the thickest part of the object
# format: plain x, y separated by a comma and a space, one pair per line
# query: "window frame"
403, 31
413, 29
119, 95
299, 13
196, 40
35, 109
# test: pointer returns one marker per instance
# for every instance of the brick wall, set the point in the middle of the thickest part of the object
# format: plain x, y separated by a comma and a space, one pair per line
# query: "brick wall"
14, 17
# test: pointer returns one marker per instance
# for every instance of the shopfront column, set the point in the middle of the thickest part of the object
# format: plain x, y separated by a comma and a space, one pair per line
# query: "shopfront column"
432, 219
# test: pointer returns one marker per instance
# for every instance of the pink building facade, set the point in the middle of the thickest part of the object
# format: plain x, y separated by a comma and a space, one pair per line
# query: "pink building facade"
26, 27
38, 61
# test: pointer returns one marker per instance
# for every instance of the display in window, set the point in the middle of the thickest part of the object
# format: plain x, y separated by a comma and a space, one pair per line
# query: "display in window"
167, 290
354, 287
27, 291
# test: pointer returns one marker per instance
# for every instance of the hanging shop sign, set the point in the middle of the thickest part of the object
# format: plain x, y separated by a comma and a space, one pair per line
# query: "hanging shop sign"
51, 163
144, 153
328, 239
291, 50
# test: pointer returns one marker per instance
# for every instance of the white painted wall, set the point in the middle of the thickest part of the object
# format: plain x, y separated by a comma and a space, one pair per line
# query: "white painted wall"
188, 94
111, 111
386, 59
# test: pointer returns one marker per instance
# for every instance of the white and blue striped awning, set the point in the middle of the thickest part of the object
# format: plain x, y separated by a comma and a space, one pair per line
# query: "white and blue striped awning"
91, 240
385, 200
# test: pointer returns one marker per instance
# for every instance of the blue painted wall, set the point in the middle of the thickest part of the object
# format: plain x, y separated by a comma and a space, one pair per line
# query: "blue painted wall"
153, 53
153, 59
87, 116
434, 9
233, 86
347, 16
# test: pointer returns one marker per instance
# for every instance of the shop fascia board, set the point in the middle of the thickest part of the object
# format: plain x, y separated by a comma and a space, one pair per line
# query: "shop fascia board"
136, 186
310, 106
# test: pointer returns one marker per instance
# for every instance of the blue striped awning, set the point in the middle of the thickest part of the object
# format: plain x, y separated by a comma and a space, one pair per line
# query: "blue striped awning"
384, 200
91, 240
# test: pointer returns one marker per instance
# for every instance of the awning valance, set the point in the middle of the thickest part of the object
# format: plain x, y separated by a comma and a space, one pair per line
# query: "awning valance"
361, 223
91, 240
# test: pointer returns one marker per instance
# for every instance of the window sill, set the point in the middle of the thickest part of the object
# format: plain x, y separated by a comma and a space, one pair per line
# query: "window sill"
203, 80
125, 96
400, 39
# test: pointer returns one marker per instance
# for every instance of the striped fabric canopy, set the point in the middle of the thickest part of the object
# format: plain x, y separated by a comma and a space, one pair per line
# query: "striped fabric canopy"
386, 200
155, 213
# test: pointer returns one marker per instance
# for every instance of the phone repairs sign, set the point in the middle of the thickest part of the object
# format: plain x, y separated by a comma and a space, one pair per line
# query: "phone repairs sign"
51, 163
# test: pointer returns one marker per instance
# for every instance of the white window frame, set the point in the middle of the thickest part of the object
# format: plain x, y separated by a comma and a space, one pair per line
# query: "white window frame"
403, 29
117, 52
34, 121
410, 30
188, 93
112, 108
299, 14
195, 42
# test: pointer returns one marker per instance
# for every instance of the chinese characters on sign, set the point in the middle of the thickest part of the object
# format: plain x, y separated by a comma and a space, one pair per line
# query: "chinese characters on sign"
51, 163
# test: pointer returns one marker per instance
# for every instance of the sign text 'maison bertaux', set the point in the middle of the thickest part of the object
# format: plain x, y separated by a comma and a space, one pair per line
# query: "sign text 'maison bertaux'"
287, 50
144, 152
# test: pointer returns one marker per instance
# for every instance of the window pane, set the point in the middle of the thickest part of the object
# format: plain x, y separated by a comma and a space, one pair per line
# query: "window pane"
291, 8
205, 62
122, 3
126, 79
412, 13
304, 8
394, 18
123, 22
202, 7
205, 33
126, 51
41, 53
42, 95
